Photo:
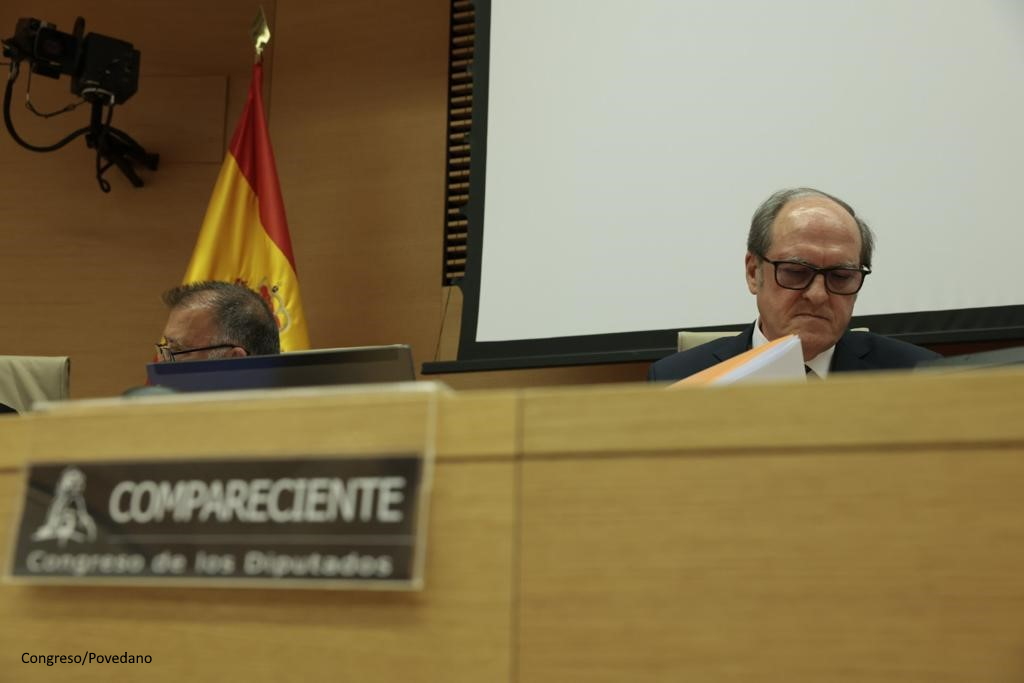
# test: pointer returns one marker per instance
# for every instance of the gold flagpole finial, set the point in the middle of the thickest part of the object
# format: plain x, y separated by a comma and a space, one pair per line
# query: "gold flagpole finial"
260, 33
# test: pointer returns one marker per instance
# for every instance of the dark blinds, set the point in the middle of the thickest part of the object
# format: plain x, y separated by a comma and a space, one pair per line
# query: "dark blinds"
460, 114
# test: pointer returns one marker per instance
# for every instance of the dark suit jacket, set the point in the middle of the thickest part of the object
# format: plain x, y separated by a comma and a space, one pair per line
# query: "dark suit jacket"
855, 351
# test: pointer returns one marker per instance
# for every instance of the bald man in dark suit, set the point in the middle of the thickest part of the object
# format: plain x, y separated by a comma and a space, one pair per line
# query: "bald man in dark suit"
808, 254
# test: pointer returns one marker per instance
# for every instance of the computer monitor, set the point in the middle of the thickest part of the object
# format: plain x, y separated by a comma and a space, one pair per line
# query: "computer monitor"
320, 367
973, 361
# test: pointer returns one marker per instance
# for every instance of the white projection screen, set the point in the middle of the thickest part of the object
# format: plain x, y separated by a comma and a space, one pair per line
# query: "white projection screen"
619, 148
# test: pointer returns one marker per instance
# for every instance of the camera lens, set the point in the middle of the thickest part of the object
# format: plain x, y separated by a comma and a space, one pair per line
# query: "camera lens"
51, 49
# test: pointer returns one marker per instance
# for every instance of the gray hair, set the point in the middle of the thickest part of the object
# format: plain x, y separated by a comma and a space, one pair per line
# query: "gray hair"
243, 317
759, 241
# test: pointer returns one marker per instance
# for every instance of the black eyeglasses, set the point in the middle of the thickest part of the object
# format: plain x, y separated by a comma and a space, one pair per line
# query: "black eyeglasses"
841, 280
168, 356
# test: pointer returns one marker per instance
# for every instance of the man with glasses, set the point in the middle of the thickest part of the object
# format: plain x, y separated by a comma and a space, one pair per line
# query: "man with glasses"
217, 320
808, 254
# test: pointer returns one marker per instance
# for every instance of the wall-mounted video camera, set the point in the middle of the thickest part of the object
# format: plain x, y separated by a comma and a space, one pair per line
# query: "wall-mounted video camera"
104, 72
99, 66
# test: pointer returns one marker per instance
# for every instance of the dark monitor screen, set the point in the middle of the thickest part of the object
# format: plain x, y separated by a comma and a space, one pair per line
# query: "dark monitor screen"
973, 361
320, 367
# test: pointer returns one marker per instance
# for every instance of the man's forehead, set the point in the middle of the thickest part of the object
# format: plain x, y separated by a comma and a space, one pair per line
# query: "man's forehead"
816, 219
814, 212
814, 208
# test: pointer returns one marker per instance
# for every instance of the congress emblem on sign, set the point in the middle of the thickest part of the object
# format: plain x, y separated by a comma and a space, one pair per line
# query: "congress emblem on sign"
67, 519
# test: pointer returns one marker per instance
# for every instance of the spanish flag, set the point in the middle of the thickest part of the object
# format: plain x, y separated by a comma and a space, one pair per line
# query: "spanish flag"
244, 237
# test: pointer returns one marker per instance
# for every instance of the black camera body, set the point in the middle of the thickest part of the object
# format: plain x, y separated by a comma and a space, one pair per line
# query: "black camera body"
100, 67
104, 72
106, 65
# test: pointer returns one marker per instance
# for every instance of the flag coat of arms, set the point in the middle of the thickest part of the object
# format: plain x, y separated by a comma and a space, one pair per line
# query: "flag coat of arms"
244, 237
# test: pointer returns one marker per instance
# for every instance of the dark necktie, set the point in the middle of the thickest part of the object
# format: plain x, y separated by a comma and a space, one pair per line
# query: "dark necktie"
811, 374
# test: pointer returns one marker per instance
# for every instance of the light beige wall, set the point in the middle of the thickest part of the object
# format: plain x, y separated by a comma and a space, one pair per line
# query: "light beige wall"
356, 96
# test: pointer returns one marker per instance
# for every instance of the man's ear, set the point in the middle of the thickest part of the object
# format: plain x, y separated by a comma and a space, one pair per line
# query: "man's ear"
752, 266
237, 352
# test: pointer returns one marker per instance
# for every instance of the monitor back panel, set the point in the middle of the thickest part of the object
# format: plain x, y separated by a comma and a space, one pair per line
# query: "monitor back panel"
321, 367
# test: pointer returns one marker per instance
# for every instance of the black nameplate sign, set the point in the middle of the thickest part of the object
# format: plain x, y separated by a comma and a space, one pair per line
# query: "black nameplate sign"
329, 522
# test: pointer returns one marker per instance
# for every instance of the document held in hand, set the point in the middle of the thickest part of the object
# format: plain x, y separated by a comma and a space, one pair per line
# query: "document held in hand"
781, 360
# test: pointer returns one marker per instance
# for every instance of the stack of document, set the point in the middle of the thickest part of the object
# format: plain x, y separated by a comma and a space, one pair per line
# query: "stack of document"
781, 360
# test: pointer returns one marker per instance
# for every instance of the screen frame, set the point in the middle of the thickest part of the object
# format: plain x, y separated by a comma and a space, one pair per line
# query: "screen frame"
982, 324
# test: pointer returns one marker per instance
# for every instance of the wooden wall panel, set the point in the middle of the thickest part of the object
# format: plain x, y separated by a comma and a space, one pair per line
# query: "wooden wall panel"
358, 119
179, 117
84, 270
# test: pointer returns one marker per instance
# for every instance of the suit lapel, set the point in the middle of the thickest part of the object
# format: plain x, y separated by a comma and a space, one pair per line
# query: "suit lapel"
851, 352
734, 346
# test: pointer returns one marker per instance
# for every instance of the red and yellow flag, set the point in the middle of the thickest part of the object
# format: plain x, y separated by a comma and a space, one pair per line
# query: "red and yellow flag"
244, 237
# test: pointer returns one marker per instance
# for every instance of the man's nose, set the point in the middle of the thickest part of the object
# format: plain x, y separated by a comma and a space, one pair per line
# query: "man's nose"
816, 291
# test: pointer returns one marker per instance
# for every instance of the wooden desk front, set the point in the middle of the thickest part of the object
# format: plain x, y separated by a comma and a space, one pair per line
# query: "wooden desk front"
864, 528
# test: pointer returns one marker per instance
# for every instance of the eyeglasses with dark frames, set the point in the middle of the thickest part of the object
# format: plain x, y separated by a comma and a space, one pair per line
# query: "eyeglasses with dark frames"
841, 280
168, 356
